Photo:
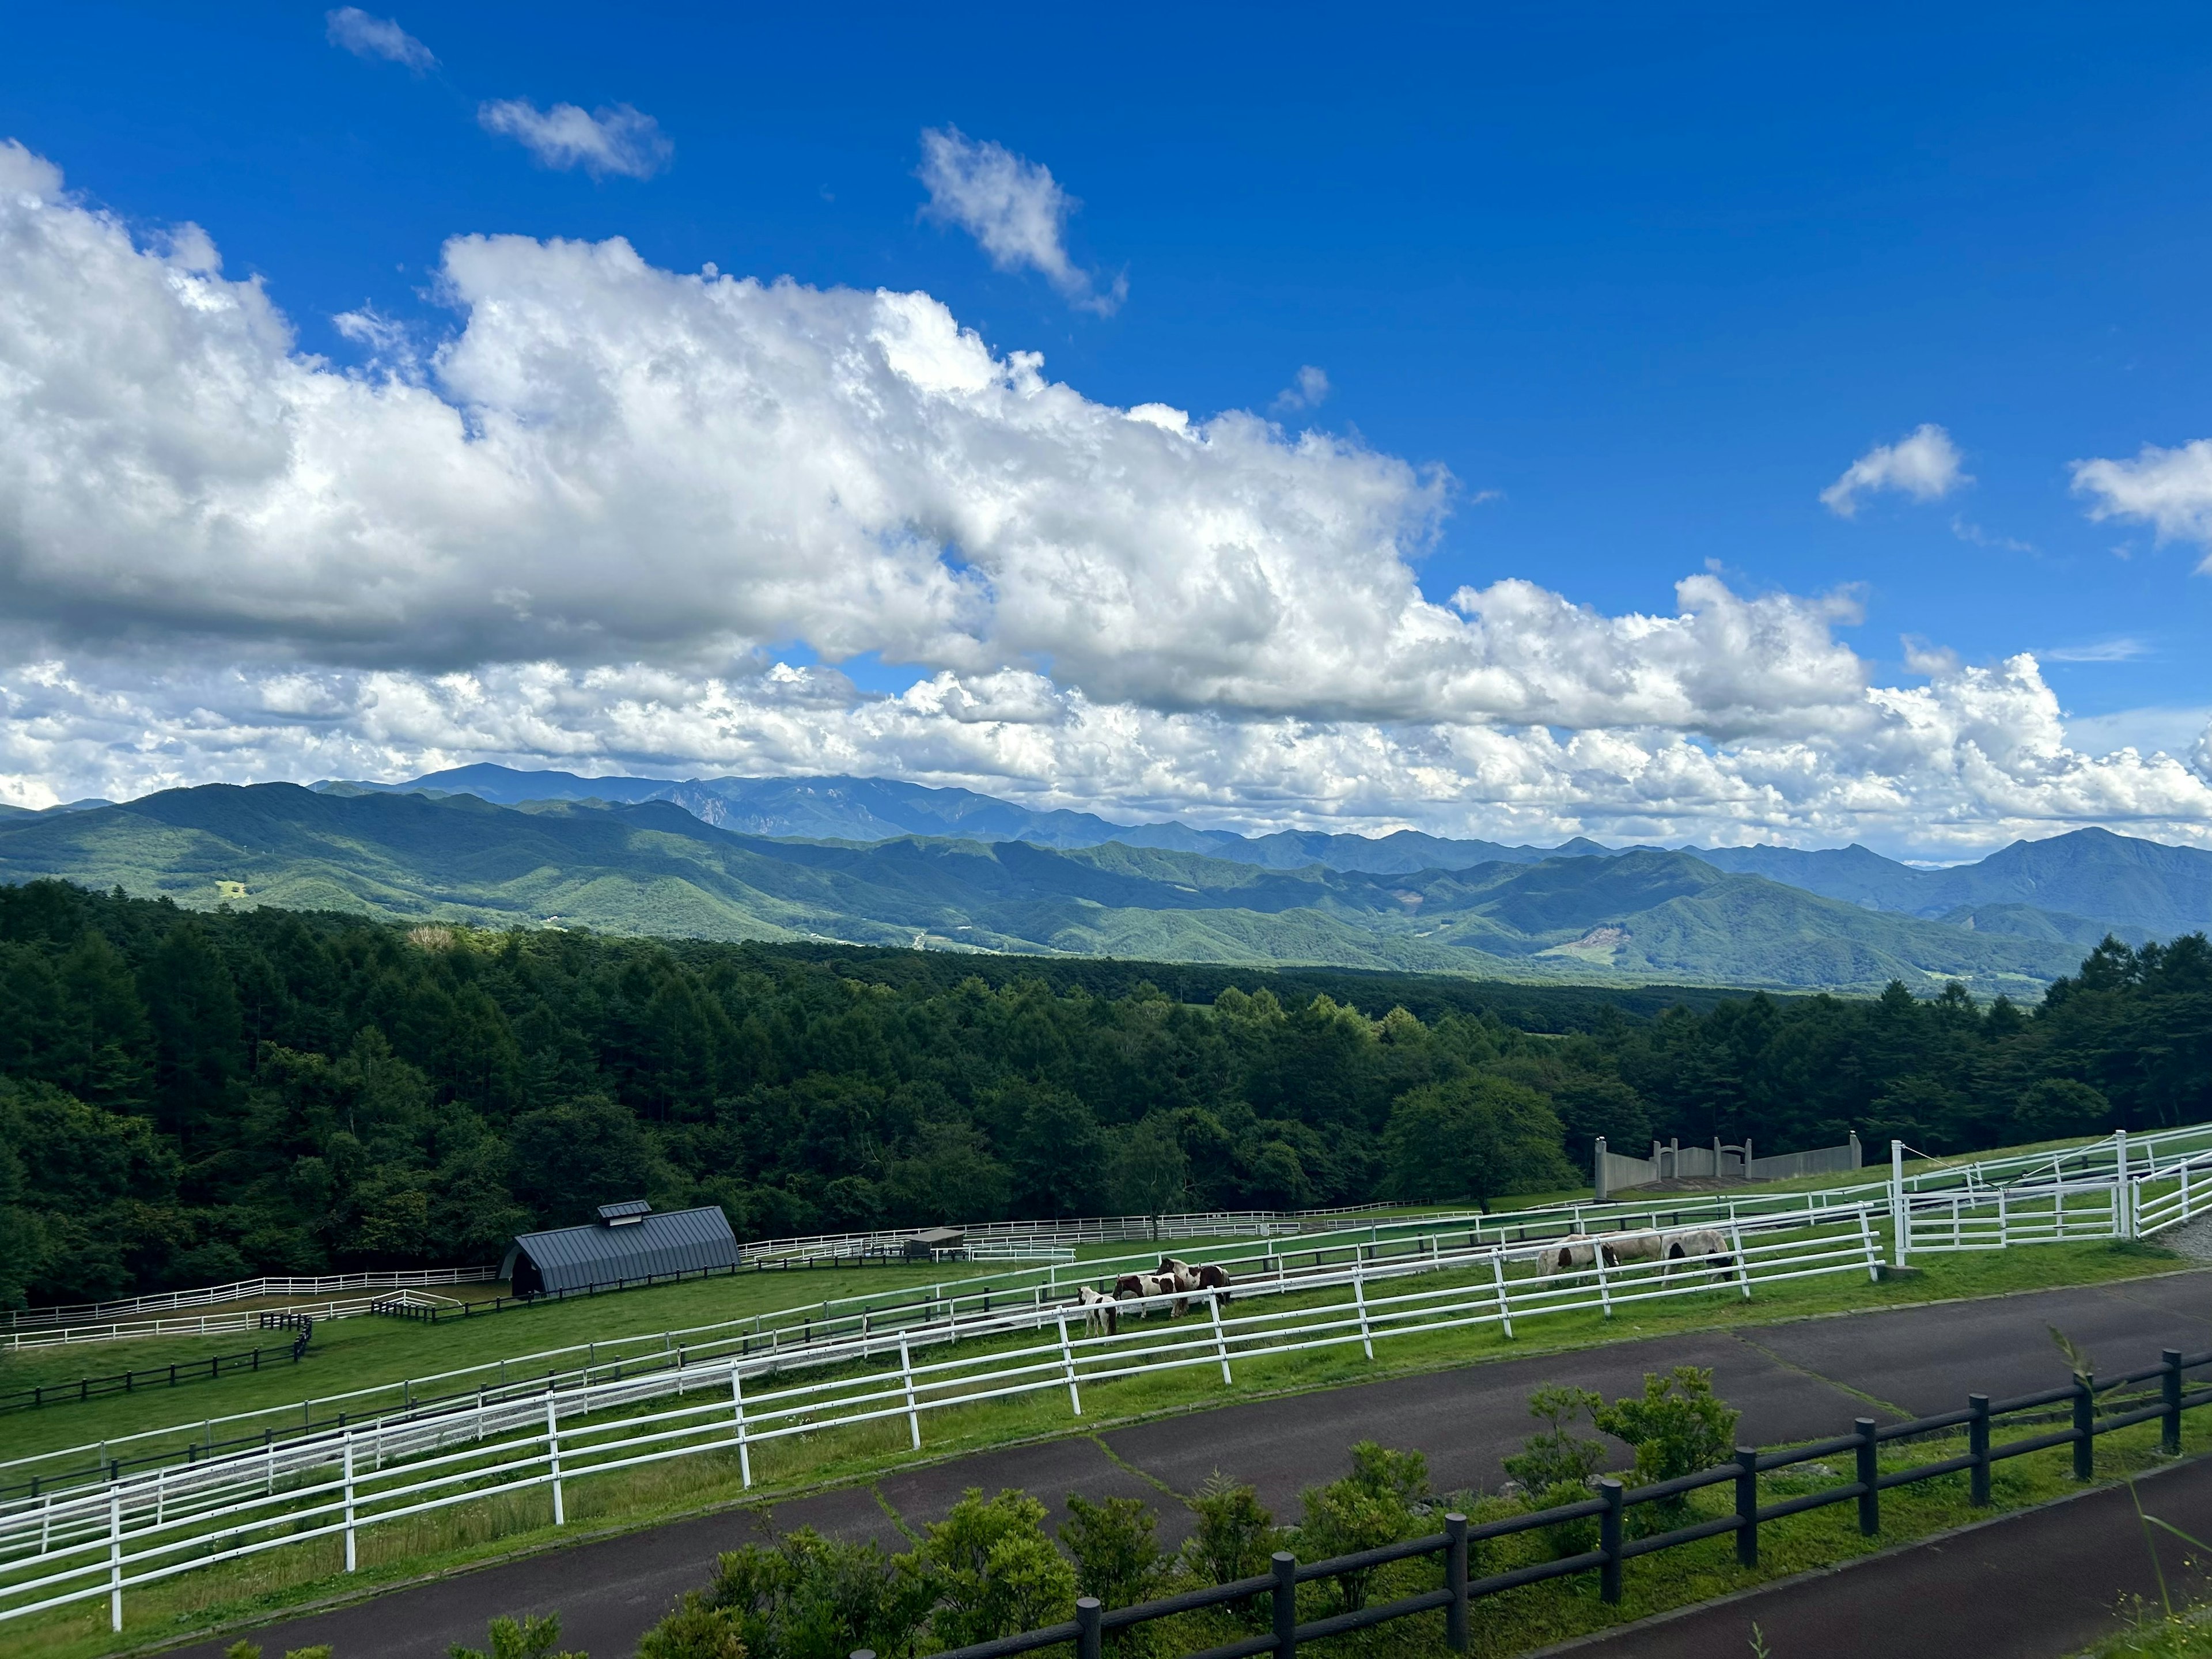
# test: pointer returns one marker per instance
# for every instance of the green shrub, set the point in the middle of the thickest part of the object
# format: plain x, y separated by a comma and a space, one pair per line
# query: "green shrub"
811, 1597
1370, 1507
1236, 1531
992, 1570
696, 1630
1119, 1559
1678, 1426
1555, 1464
527, 1637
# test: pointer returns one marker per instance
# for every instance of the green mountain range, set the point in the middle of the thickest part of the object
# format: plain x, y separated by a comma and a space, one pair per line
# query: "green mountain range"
654, 867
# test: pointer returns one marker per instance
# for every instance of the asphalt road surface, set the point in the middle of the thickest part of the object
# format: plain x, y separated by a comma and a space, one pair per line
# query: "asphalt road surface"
1798, 1381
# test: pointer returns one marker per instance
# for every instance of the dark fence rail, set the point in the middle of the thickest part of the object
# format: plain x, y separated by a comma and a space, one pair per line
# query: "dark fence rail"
2084, 1420
151, 1376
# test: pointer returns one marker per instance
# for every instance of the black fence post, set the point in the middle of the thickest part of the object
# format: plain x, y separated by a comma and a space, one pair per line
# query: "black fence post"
1455, 1581
1090, 1632
1978, 1446
2085, 1428
1747, 1506
1869, 1474
1609, 1540
2169, 1438
1287, 1605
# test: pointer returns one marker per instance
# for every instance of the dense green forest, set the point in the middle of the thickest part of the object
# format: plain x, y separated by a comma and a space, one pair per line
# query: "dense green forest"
187, 1098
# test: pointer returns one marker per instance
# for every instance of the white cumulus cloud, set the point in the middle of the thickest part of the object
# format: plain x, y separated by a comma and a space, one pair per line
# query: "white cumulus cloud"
2170, 489
612, 139
573, 529
365, 36
1923, 464
1014, 209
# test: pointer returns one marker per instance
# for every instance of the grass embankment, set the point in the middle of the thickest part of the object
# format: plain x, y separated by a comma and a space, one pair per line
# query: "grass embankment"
638, 1498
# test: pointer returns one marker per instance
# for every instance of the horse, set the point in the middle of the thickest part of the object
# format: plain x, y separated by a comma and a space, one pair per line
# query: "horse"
1568, 1255
1216, 1278
1140, 1286
1621, 1247
1100, 1315
1180, 1276
1707, 1244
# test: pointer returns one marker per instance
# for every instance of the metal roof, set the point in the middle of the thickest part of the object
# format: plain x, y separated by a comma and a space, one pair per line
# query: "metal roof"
672, 1242
611, 1213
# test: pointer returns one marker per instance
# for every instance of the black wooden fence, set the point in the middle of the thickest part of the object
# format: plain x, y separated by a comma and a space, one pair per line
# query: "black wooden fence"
151, 1376
2082, 1398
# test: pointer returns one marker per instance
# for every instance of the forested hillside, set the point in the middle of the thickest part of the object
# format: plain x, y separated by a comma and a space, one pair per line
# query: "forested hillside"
186, 1098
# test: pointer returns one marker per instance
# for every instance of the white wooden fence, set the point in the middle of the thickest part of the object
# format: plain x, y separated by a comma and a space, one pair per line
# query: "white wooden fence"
792, 1332
243, 1289
84, 1544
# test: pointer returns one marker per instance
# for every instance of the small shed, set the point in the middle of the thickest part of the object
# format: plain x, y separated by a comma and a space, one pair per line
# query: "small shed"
628, 1243
925, 1244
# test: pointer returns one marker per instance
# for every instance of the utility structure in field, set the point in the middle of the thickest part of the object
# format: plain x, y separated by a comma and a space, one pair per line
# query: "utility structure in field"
627, 1245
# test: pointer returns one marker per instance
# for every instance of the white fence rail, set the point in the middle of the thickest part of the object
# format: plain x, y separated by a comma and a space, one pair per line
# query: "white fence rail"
790, 1332
82, 1545
244, 1290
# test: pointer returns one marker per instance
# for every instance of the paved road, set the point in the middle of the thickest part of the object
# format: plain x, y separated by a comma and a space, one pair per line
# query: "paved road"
1989, 1591
1796, 1381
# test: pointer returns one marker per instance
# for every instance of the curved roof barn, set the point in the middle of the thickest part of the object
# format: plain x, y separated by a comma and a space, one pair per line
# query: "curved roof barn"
628, 1242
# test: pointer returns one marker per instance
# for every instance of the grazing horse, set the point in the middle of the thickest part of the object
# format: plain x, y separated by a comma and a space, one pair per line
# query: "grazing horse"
1707, 1244
1213, 1277
1181, 1277
1621, 1247
1566, 1255
1139, 1286
1100, 1315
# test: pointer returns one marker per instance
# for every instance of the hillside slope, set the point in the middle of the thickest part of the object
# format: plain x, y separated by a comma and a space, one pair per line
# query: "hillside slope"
651, 867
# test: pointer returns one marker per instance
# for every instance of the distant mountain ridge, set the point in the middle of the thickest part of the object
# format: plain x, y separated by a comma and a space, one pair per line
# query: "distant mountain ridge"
2083, 883
655, 867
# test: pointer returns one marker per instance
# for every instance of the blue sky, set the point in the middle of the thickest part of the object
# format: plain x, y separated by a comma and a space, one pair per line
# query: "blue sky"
1643, 285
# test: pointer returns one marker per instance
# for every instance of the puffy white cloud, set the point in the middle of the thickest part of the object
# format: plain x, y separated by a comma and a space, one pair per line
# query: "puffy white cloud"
613, 139
575, 530
1975, 759
1307, 389
1923, 464
2168, 489
1015, 208
365, 36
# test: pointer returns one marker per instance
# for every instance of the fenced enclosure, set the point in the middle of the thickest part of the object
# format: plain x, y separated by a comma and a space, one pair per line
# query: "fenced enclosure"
73, 1534
1610, 1507
244, 1290
107, 1537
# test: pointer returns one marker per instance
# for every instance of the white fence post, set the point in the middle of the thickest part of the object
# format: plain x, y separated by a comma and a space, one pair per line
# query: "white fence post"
553, 1455
2124, 1208
1900, 1217
346, 1436
1359, 1297
1742, 1268
913, 1412
738, 1407
115, 1559
1872, 1253
1220, 1336
1497, 1272
1604, 1290
1067, 1360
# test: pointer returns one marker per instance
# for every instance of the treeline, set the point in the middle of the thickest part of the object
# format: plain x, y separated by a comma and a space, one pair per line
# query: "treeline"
187, 1098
